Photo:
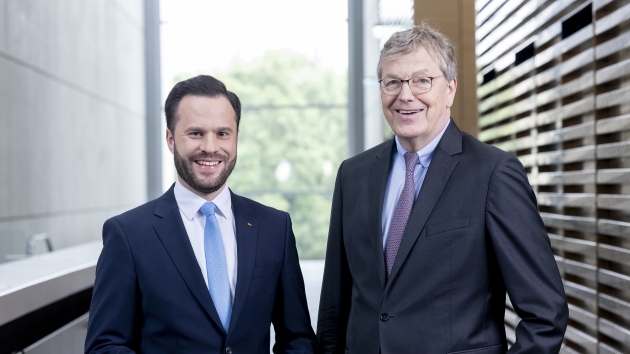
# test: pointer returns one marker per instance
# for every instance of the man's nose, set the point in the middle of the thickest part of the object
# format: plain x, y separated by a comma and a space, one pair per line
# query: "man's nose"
405, 92
209, 143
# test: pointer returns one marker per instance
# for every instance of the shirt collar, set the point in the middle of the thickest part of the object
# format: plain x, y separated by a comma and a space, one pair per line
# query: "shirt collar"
189, 202
426, 153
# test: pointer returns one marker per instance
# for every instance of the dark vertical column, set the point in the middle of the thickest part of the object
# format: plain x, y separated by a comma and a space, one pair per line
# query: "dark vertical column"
355, 77
153, 97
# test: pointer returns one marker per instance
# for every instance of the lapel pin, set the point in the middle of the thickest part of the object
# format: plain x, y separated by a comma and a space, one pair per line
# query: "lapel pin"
249, 224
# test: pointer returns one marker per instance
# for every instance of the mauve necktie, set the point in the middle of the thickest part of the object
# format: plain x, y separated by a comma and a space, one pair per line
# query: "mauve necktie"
218, 282
401, 213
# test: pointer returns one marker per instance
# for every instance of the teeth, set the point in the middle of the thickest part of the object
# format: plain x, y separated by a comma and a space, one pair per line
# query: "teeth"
407, 112
208, 163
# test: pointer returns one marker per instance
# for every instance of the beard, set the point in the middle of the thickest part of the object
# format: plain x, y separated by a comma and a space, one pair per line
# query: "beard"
186, 171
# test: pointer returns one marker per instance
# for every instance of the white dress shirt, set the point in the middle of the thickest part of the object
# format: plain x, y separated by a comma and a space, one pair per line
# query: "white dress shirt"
195, 222
396, 178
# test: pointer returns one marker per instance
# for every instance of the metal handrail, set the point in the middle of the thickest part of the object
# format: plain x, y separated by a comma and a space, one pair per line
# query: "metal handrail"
32, 243
31, 246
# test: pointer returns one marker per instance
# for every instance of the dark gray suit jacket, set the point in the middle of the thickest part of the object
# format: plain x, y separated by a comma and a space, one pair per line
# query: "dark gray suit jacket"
474, 233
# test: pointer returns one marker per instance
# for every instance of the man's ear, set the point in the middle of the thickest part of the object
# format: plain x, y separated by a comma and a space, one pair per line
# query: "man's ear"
450, 96
170, 140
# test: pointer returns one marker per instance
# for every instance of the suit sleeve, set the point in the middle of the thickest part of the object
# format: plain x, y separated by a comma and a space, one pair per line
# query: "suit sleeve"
525, 259
334, 304
113, 321
291, 320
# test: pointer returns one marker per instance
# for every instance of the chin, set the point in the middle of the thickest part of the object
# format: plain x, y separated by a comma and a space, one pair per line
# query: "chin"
410, 133
209, 181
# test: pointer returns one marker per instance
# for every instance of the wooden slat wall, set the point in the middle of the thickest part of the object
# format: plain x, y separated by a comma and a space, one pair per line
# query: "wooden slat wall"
554, 89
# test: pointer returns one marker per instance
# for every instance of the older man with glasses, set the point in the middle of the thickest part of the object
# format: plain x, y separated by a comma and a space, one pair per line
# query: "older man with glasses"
430, 229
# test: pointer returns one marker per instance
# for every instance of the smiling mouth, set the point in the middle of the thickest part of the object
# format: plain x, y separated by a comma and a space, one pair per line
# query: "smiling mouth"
208, 163
408, 112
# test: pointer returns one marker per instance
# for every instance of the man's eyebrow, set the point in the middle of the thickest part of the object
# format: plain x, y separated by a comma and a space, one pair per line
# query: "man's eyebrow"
422, 72
196, 129
192, 129
224, 129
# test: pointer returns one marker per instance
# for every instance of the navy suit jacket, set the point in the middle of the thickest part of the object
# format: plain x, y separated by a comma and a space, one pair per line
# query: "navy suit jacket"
474, 233
150, 295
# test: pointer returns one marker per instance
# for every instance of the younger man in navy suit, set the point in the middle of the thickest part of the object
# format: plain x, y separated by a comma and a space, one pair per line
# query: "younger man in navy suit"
200, 269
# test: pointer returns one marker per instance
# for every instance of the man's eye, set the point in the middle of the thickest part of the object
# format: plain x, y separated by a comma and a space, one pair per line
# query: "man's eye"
392, 82
195, 134
422, 80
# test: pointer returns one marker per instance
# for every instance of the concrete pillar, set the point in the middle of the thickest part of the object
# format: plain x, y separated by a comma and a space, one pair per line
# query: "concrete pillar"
355, 77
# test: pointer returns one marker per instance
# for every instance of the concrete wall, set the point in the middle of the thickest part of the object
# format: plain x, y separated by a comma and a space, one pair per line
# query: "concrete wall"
72, 114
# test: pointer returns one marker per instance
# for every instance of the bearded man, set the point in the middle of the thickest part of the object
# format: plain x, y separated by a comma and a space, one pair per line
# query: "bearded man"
200, 269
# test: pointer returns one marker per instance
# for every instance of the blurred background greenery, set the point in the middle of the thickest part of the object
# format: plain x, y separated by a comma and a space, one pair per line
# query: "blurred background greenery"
292, 139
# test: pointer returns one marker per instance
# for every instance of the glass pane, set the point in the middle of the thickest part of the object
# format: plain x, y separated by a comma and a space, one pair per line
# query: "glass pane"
287, 61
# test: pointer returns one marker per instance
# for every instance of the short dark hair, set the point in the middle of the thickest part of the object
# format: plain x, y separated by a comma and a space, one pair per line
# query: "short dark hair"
204, 86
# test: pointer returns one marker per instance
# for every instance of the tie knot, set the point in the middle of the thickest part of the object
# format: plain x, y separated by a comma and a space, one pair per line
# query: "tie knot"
208, 209
411, 159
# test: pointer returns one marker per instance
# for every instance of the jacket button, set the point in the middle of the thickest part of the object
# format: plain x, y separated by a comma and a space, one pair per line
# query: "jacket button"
228, 350
384, 317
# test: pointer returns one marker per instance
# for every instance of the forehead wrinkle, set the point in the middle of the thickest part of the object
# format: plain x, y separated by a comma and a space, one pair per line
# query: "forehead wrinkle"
418, 73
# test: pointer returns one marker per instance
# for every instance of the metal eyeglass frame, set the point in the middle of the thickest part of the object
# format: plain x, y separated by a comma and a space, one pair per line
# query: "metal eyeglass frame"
402, 82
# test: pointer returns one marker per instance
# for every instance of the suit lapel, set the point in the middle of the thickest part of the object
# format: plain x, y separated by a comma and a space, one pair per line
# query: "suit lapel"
246, 241
171, 231
377, 184
440, 170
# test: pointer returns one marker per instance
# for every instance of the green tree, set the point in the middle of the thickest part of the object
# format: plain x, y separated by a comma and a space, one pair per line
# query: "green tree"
295, 112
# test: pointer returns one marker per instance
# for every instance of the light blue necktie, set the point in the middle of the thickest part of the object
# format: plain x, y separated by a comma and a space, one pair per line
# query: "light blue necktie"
218, 283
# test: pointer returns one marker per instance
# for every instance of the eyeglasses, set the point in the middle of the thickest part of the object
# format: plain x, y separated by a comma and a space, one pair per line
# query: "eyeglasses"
417, 85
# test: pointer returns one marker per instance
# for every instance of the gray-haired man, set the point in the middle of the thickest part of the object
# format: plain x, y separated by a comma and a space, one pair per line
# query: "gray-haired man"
430, 229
